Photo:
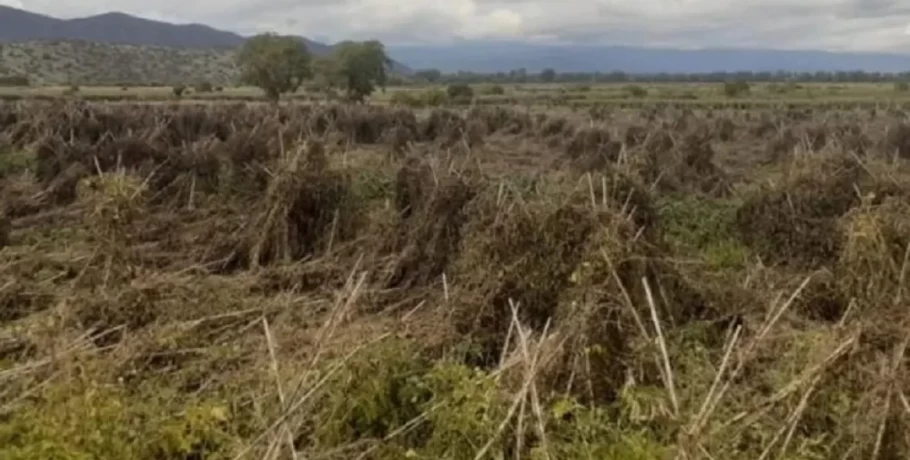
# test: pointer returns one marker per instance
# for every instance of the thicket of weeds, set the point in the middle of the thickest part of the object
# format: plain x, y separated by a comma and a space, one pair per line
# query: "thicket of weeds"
232, 281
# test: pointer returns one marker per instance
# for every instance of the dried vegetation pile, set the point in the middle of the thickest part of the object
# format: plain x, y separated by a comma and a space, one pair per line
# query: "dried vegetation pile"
362, 282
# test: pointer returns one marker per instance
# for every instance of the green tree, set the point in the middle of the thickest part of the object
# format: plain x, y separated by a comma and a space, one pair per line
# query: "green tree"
275, 63
429, 75
359, 67
548, 75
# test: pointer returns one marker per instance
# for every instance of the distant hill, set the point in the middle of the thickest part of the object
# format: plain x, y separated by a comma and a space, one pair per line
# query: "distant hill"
19, 26
191, 50
488, 57
93, 63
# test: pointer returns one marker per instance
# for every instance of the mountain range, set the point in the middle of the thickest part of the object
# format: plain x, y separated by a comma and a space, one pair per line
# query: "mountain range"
122, 29
118, 29
488, 57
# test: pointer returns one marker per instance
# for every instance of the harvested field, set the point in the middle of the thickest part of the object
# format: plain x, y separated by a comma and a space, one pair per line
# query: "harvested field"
222, 281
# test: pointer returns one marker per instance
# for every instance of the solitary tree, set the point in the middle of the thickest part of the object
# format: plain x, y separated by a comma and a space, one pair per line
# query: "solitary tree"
548, 75
359, 67
430, 75
274, 63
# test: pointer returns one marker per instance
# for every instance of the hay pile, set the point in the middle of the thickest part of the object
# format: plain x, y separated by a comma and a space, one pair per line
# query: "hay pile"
796, 221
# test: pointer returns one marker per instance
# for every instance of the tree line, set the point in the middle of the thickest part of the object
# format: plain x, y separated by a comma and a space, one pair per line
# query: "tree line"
281, 64
550, 75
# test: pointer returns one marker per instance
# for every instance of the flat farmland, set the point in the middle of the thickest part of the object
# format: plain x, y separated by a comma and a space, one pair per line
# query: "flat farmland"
559, 271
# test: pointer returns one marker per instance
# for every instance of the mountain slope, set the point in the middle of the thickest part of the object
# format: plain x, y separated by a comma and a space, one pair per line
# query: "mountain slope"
122, 29
92, 63
18, 25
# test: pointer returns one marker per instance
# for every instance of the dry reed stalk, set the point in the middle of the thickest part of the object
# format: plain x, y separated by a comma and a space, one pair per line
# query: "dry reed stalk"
312, 390
270, 341
668, 370
535, 398
531, 372
343, 302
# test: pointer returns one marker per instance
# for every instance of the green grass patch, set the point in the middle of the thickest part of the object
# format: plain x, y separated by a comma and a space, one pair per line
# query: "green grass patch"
703, 228
15, 162
446, 410
88, 421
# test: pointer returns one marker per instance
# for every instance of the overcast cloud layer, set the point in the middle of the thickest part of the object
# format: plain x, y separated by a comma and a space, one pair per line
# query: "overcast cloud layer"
837, 25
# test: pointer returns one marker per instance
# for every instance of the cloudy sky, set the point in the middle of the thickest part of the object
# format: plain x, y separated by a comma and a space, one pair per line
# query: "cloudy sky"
867, 25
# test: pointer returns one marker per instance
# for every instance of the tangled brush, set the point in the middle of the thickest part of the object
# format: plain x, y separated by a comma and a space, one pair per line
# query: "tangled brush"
115, 202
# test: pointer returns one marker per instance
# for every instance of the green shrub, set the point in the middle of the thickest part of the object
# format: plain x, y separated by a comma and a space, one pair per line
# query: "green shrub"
460, 91
496, 90
582, 88
703, 228
374, 395
637, 91
579, 432
179, 90
76, 421
472, 407
736, 88
428, 98
434, 98
204, 87
405, 98
392, 384
901, 86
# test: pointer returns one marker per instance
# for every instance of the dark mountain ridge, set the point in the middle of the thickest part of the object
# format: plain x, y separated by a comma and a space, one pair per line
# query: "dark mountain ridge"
119, 28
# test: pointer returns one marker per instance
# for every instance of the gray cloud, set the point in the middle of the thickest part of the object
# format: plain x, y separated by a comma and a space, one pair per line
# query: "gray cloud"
875, 9
820, 24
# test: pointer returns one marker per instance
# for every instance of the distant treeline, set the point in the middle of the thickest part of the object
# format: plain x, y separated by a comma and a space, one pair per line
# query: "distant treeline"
553, 76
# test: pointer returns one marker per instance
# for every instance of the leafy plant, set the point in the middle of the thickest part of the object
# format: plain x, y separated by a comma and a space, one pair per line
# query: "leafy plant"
704, 228
405, 98
471, 407
579, 432
429, 75
374, 395
434, 98
89, 421
496, 90
274, 63
358, 67
460, 92
637, 91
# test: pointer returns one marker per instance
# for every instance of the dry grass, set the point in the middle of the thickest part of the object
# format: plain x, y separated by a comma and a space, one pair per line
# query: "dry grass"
244, 281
